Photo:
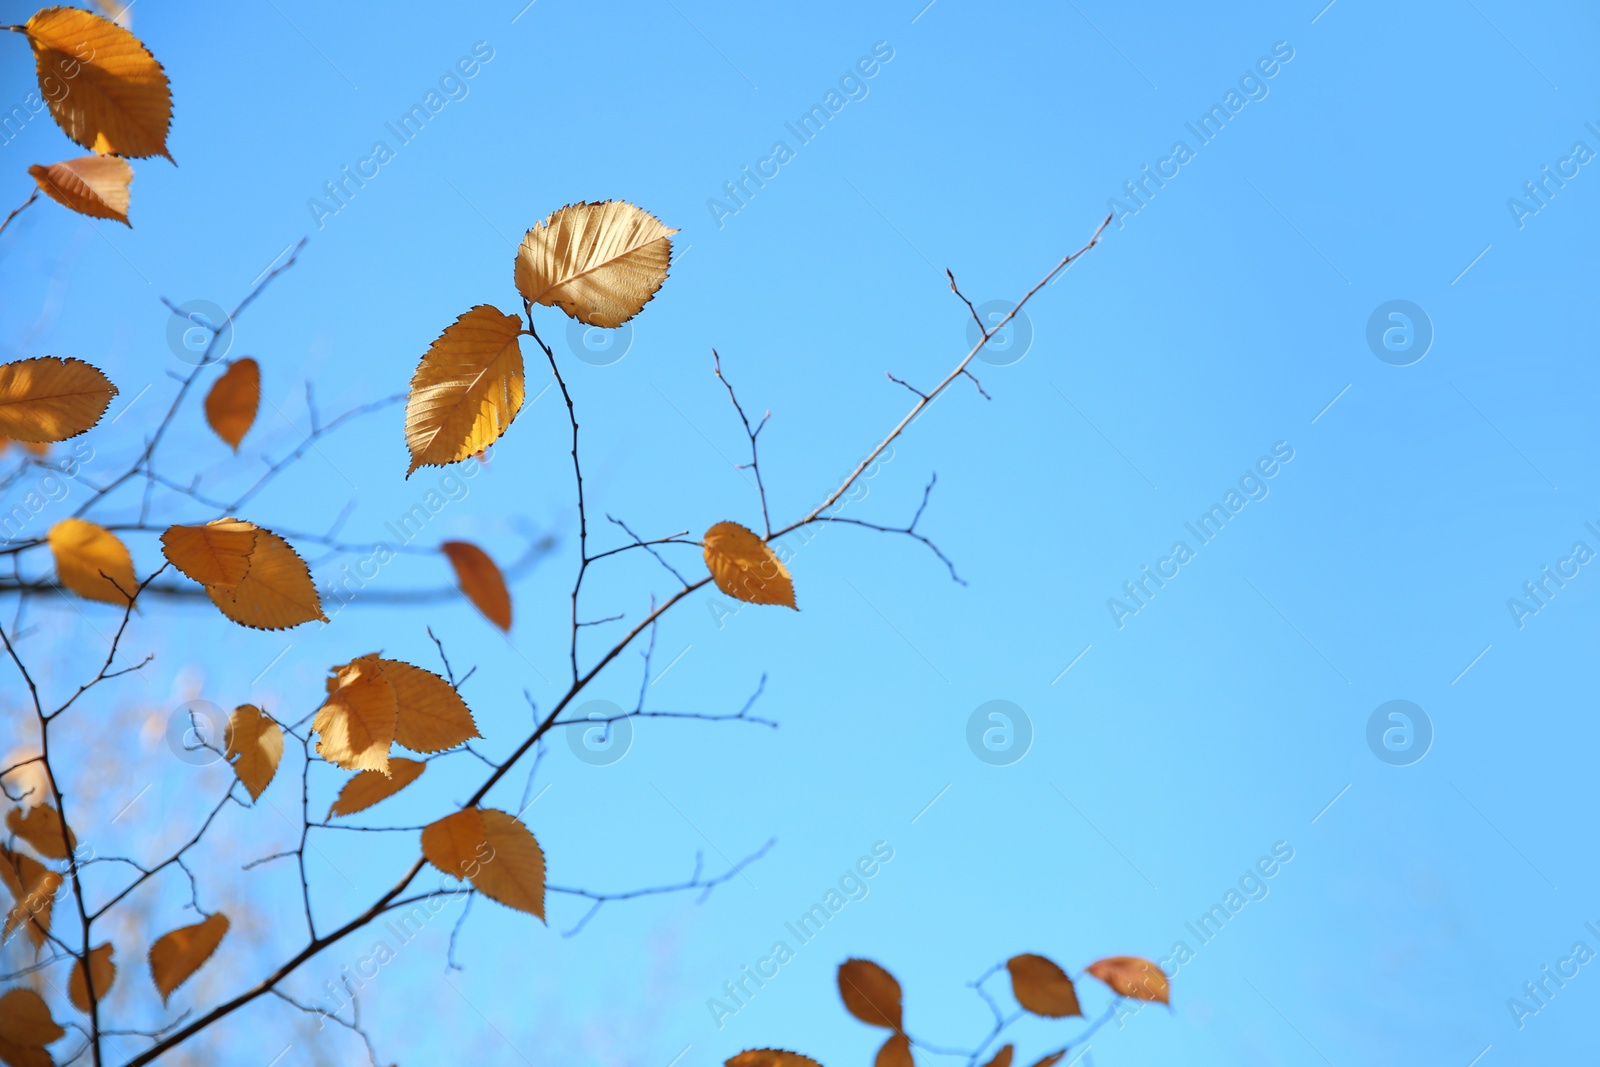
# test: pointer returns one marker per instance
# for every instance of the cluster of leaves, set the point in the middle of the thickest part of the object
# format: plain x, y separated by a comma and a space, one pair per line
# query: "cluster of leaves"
107, 93
1038, 983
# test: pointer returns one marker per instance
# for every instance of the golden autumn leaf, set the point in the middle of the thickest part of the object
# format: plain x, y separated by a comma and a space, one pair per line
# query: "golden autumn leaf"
744, 567
25, 1020
369, 787
467, 389
33, 888
870, 993
255, 745
1041, 987
770, 1057
234, 398
40, 826
96, 186
1003, 1057
480, 580
600, 263
895, 1052
276, 591
493, 851
92, 562
1130, 976
430, 715
51, 399
357, 723
177, 955
217, 553
117, 99
103, 971
1051, 1060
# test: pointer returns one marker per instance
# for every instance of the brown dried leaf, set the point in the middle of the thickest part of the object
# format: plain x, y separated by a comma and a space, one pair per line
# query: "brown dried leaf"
255, 745
770, 1057
1003, 1057
276, 591
118, 101
480, 580
600, 263
744, 567
870, 993
1042, 987
33, 888
466, 390
104, 972
233, 401
1130, 976
176, 956
92, 562
25, 1020
430, 716
369, 787
493, 851
40, 826
357, 723
51, 399
217, 553
895, 1052
1051, 1060
96, 186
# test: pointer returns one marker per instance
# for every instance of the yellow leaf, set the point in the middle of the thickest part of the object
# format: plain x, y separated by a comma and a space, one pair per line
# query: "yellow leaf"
744, 567
493, 851
255, 745
896, 1052
480, 580
430, 716
91, 562
176, 956
1042, 987
466, 390
870, 993
1002, 1058
51, 399
104, 972
33, 889
1130, 976
369, 787
600, 263
117, 101
234, 398
276, 591
96, 186
40, 826
215, 554
25, 1020
357, 723
770, 1057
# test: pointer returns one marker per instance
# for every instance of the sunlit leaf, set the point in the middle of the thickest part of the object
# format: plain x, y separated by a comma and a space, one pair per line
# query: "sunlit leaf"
255, 745
358, 721
430, 716
1042, 987
770, 1057
466, 390
895, 1052
40, 826
215, 554
92, 562
600, 263
96, 186
33, 888
493, 851
369, 787
176, 956
117, 100
234, 398
744, 567
480, 580
276, 591
870, 993
1130, 976
51, 399
104, 972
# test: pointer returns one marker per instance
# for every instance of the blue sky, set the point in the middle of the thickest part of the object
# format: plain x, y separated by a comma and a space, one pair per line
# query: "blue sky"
1224, 319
